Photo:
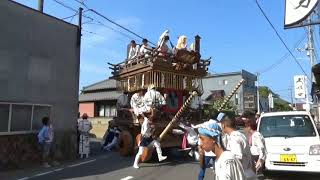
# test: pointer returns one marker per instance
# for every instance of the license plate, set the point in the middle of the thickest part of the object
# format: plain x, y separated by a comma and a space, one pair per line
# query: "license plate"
288, 158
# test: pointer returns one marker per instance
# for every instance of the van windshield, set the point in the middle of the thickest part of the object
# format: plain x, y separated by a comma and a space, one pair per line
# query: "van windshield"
287, 126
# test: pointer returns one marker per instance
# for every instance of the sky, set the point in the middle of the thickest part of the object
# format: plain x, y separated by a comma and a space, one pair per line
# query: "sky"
234, 33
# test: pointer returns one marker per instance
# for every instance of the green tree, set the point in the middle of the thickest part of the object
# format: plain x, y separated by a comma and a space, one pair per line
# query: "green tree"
212, 108
281, 105
264, 91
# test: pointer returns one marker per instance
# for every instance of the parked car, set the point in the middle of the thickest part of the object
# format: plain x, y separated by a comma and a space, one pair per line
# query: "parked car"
292, 141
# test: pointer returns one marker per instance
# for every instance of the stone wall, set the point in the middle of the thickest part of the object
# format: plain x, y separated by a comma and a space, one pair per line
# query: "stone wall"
18, 150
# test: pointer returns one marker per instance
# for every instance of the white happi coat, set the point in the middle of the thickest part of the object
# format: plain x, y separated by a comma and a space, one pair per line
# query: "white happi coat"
84, 126
239, 146
144, 50
258, 145
153, 98
146, 130
133, 52
228, 167
196, 103
138, 105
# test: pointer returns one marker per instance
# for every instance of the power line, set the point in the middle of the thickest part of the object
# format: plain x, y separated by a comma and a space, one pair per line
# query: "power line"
281, 39
66, 6
283, 58
111, 21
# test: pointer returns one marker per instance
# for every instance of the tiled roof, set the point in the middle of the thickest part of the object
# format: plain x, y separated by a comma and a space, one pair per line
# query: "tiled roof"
105, 84
99, 96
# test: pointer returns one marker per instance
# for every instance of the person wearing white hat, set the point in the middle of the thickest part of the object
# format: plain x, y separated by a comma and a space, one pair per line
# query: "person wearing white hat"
162, 43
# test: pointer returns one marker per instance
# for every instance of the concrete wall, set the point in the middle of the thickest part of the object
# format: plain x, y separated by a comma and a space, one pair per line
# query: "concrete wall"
39, 63
226, 83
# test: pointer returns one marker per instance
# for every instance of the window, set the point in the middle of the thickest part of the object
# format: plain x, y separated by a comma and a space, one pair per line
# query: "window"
101, 111
4, 117
107, 111
225, 82
113, 111
287, 126
236, 99
21, 117
38, 113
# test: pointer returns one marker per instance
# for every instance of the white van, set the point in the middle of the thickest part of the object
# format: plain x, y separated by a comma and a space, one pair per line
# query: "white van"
292, 141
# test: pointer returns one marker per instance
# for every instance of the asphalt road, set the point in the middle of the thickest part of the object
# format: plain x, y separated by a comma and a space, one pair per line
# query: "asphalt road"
111, 166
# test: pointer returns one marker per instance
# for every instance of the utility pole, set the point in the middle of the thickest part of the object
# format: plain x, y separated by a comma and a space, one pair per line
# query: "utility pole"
80, 27
291, 96
40, 5
310, 52
258, 94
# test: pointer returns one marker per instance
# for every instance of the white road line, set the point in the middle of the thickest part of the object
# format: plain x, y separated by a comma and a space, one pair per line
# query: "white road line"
56, 170
42, 174
127, 178
25, 178
79, 164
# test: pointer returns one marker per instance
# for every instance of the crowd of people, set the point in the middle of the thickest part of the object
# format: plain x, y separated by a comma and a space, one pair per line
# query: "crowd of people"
236, 155
164, 48
216, 143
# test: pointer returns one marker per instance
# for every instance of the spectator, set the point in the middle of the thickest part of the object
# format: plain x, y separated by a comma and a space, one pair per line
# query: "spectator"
45, 138
257, 145
114, 143
227, 166
239, 146
84, 126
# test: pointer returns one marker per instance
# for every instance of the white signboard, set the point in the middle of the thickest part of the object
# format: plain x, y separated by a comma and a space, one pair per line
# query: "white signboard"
300, 84
271, 103
298, 10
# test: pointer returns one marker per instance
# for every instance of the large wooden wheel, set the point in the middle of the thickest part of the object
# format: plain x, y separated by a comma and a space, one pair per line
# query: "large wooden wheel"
147, 152
126, 143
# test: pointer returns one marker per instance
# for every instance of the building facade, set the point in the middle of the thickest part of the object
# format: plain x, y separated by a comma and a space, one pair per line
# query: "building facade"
99, 99
221, 85
39, 76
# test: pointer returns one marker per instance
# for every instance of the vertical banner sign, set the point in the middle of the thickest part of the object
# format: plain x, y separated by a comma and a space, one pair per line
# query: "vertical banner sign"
271, 103
297, 11
300, 84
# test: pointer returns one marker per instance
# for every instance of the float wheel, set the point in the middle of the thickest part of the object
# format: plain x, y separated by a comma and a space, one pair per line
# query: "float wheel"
126, 143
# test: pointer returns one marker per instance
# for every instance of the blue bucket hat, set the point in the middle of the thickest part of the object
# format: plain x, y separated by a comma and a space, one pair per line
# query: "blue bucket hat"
212, 130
